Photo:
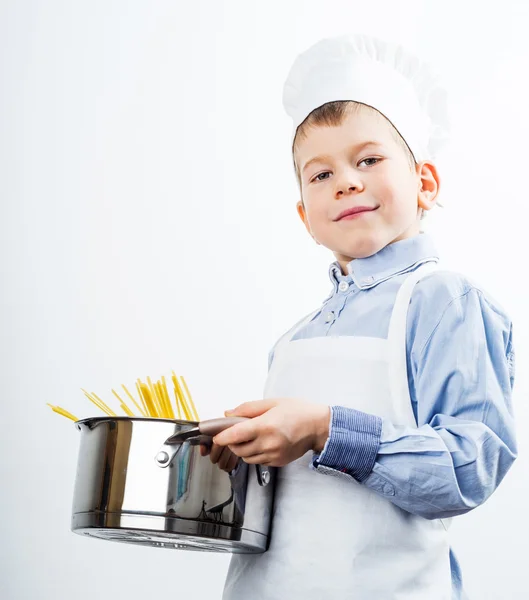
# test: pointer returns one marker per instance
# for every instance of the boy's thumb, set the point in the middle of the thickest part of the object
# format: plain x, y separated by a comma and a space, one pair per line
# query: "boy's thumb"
251, 409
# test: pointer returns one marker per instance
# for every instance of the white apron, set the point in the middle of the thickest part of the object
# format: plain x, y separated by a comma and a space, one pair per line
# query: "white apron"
333, 538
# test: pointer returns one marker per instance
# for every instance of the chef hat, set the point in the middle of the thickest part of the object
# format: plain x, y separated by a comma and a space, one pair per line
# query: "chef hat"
370, 71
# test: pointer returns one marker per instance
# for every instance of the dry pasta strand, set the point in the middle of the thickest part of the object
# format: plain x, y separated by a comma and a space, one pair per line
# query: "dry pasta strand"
148, 400
62, 411
178, 393
154, 397
167, 398
167, 405
151, 411
142, 411
123, 405
103, 407
185, 400
161, 400
127, 410
181, 398
103, 404
178, 396
192, 404
142, 399
177, 403
154, 401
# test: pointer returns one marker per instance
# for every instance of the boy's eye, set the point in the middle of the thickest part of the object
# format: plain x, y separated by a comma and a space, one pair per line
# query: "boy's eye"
376, 160
319, 175
370, 161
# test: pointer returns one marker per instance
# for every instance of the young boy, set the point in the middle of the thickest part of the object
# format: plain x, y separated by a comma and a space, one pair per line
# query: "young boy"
399, 385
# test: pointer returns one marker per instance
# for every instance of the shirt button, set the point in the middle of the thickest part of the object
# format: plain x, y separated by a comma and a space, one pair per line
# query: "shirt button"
343, 286
367, 280
388, 489
329, 317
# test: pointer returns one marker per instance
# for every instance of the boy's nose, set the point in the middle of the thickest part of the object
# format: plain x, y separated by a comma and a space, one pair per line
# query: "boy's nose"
345, 189
347, 182
348, 186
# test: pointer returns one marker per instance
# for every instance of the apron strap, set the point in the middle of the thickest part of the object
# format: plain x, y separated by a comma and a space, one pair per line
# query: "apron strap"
287, 337
398, 368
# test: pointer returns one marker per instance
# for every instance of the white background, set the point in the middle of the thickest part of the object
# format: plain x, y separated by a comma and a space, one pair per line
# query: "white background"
148, 224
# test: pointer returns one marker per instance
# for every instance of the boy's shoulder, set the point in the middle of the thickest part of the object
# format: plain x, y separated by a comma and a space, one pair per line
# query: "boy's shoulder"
448, 285
443, 288
445, 284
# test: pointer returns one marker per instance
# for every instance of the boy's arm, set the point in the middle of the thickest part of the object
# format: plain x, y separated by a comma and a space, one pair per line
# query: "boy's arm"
461, 374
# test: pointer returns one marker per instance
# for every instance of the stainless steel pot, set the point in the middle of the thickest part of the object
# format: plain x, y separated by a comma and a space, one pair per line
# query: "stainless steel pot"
140, 481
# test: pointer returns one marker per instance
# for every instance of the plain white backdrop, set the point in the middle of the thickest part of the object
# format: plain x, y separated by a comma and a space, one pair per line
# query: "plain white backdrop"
148, 223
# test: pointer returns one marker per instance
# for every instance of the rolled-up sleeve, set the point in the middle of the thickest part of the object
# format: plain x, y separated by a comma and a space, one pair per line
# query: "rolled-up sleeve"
461, 378
353, 443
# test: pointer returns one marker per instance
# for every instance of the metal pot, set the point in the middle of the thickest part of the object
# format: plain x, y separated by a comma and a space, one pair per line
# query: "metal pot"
140, 481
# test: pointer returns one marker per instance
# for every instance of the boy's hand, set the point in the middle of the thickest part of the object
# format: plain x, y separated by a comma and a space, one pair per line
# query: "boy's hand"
279, 431
221, 456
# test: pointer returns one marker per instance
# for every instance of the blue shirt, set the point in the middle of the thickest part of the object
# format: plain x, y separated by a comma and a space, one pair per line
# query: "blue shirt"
460, 362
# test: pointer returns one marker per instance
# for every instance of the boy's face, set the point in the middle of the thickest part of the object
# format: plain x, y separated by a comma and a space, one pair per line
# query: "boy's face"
350, 174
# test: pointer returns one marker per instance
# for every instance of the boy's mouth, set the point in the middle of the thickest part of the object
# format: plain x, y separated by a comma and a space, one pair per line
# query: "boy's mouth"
351, 213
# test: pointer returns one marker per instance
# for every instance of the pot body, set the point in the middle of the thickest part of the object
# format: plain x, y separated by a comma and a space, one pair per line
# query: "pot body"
122, 494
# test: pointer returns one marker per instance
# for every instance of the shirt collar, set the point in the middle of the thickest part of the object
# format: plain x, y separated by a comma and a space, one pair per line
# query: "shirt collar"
393, 259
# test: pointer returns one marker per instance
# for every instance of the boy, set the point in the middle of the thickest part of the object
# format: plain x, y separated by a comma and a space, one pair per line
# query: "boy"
399, 386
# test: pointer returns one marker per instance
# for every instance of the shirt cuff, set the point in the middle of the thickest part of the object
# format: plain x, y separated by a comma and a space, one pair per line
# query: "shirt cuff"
353, 443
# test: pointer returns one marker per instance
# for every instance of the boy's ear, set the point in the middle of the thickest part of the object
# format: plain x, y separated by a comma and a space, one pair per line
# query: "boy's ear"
429, 185
303, 216
301, 212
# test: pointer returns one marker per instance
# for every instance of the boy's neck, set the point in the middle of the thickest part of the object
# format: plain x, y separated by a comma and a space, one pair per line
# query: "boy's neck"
344, 261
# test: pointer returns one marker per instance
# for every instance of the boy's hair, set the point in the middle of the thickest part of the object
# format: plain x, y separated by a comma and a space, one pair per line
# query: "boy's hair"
333, 114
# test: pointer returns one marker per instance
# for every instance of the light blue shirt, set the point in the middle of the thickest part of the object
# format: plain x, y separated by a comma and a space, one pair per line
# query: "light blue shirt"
460, 374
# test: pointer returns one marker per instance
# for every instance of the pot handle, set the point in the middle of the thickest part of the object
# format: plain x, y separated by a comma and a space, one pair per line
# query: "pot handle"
212, 427
206, 429
203, 432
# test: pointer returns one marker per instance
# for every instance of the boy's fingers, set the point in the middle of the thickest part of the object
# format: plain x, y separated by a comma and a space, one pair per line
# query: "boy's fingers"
222, 456
237, 434
234, 459
215, 453
204, 450
225, 459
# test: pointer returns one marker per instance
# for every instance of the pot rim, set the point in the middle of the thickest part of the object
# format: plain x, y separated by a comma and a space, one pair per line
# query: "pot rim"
88, 420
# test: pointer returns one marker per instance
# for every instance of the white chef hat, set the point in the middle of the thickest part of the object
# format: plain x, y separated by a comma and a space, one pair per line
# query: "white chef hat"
380, 74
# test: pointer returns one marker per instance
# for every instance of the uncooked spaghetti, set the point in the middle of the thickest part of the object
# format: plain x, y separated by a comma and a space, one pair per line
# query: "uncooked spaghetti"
153, 401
